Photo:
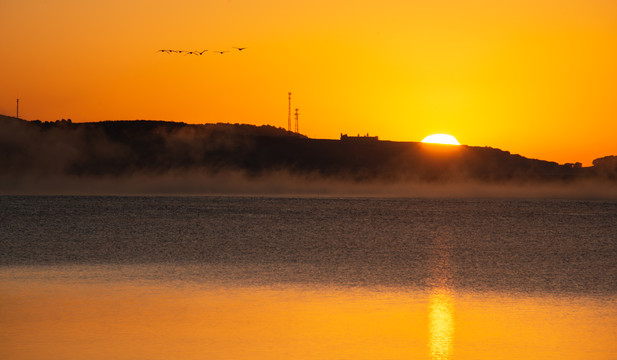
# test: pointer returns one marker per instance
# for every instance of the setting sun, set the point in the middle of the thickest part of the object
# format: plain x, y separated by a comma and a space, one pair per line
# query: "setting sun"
441, 139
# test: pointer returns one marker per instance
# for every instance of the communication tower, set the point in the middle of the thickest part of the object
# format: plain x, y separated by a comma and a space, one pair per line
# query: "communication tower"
289, 113
296, 114
17, 115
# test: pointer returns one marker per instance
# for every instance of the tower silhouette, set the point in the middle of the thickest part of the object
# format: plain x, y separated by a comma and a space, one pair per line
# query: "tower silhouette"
289, 113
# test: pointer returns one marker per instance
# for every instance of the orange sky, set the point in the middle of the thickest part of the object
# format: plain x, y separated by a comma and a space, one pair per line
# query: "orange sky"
537, 78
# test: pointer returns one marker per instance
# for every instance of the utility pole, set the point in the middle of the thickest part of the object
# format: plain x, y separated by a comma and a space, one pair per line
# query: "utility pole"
17, 115
297, 121
289, 114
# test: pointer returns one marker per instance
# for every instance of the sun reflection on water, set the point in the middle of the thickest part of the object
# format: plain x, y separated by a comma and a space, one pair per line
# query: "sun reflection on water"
441, 325
70, 313
441, 302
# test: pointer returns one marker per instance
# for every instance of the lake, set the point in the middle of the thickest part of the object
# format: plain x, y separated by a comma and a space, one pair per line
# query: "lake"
224, 277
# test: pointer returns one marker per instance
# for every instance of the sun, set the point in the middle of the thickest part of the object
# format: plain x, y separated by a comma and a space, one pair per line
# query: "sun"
441, 139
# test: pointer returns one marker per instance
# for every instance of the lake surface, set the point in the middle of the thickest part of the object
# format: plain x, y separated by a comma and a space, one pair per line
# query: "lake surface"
307, 278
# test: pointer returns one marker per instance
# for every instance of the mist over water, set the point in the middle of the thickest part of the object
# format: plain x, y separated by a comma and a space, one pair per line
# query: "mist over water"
282, 183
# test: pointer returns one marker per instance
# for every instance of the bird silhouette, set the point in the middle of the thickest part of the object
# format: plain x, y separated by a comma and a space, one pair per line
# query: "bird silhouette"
186, 52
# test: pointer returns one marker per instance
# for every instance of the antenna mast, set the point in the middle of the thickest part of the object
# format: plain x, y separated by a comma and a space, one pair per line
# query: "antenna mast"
17, 115
289, 114
296, 114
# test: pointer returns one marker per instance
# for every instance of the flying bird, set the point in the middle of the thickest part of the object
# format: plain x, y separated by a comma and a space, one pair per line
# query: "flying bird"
186, 52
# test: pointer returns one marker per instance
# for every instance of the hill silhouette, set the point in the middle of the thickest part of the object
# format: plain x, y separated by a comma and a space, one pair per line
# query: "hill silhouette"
122, 148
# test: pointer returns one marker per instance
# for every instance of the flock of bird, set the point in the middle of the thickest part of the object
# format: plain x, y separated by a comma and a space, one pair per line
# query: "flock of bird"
185, 52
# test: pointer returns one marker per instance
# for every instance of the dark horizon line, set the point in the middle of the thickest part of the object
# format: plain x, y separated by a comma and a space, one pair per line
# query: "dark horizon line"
360, 137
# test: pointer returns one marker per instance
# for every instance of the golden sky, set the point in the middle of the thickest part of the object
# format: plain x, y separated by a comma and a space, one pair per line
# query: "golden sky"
537, 78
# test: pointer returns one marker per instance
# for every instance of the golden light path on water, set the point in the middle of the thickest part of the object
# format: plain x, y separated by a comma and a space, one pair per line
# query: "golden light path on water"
441, 325
73, 314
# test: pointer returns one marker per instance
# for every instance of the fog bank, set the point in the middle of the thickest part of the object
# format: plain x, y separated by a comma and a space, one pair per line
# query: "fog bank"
286, 184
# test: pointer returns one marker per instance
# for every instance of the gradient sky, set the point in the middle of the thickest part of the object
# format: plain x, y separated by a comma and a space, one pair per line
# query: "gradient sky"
537, 78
